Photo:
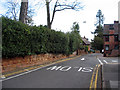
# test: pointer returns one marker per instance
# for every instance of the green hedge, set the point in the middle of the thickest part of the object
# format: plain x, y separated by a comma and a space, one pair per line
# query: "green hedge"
19, 39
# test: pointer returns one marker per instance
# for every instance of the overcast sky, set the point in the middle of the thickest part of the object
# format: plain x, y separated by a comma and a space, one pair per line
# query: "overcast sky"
63, 20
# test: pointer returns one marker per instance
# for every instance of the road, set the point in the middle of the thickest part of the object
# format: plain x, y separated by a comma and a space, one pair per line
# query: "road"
79, 72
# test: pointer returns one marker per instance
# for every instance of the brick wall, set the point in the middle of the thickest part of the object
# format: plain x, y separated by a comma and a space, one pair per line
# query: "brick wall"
111, 43
27, 61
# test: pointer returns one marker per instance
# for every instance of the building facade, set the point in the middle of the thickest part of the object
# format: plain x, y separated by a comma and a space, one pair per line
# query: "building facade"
86, 43
111, 35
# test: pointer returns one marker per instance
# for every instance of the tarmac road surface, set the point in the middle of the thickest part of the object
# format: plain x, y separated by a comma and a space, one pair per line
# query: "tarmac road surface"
79, 72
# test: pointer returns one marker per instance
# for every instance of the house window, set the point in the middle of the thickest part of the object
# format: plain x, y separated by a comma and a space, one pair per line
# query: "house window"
116, 37
106, 47
116, 47
111, 27
107, 38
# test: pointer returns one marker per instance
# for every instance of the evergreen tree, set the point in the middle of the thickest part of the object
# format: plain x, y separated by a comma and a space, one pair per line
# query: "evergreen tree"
97, 43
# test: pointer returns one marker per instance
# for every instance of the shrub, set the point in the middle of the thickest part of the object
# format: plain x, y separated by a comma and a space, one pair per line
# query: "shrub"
19, 39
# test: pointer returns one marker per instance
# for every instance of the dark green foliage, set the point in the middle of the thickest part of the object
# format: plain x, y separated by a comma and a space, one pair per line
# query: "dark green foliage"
19, 39
74, 41
98, 43
86, 48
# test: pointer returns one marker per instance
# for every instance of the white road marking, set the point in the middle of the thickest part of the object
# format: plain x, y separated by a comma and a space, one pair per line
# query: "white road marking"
26, 72
114, 61
87, 69
54, 68
100, 61
83, 59
15, 76
3, 77
80, 69
105, 61
65, 68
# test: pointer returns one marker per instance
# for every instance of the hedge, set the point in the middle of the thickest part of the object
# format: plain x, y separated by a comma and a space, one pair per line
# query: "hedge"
19, 39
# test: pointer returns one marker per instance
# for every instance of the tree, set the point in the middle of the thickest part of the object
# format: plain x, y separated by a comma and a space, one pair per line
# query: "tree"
23, 11
97, 43
75, 27
61, 5
75, 38
30, 14
48, 14
100, 18
13, 9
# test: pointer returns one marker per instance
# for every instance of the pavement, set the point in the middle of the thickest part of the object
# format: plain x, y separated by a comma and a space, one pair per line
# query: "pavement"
111, 74
91, 71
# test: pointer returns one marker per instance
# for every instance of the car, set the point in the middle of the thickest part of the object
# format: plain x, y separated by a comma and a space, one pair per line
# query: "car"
91, 50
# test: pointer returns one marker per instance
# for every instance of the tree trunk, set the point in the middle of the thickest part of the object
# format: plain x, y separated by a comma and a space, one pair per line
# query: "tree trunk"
23, 11
48, 15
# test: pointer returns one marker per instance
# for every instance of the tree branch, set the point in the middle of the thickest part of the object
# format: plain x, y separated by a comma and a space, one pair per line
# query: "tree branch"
64, 5
54, 12
63, 9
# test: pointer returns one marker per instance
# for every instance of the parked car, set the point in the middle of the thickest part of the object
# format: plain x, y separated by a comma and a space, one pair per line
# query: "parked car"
93, 51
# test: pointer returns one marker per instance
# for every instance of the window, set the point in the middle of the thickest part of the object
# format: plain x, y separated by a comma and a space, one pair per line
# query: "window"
116, 47
106, 47
111, 27
116, 37
107, 38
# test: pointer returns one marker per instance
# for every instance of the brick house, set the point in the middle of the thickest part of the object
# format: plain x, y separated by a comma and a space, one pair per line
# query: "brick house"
111, 36
86, 42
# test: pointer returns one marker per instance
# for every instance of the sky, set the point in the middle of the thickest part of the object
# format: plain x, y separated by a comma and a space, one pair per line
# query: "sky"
63, 20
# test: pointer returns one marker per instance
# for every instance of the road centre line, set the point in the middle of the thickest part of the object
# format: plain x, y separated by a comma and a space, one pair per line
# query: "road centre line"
23, 72
95, 72
100, 61
91, 83
96, 77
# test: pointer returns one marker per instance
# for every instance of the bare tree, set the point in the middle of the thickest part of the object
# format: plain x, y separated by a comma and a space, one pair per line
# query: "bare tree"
13, 9
61, 5
23, 11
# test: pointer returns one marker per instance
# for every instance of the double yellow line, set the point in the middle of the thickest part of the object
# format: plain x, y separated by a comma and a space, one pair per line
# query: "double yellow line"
93, 83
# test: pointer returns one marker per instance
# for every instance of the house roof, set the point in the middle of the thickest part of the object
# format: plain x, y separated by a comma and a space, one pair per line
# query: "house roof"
85, 41
116, 29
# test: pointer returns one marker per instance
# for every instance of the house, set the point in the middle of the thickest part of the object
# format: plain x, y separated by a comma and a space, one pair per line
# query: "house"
111, 36
86, 42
